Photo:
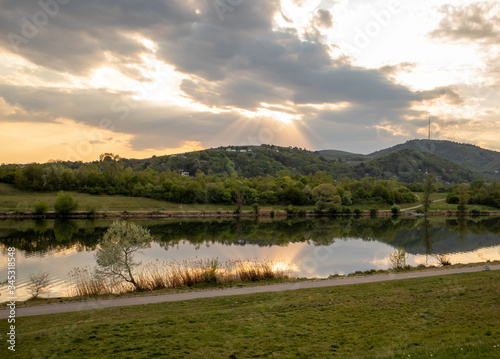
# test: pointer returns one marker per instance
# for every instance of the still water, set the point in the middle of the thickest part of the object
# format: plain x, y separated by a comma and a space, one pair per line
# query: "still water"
307, 247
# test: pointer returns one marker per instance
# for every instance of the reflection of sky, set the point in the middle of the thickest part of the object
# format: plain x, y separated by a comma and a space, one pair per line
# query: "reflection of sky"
342, 257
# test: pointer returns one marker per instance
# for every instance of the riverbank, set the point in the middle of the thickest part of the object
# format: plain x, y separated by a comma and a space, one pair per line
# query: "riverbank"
16, 204
278, 213
388, 274
448, 316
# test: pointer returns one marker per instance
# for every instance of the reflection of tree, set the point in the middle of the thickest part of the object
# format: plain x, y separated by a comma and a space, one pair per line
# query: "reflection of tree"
48, 235
40, 226
64, 230
416, 235
426, 236
463, 228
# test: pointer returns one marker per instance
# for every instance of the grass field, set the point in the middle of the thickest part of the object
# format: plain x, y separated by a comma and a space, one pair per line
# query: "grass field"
453, 316
10, 197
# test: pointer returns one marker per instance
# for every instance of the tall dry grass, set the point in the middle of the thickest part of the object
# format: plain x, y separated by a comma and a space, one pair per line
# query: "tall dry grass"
173, 274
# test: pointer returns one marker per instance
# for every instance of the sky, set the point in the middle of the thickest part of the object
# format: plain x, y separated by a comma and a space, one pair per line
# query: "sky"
139, 78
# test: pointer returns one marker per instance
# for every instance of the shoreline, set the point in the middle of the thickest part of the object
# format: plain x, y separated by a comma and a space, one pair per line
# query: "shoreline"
227, 214
99, 302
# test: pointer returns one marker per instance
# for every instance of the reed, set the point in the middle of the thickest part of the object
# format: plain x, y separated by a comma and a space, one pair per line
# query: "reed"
173, 274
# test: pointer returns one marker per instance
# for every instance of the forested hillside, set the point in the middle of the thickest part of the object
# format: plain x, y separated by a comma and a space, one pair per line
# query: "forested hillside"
413, 166
473, 157
260, 175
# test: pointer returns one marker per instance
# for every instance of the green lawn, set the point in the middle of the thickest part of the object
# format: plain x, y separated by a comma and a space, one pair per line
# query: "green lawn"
10, 197
453, 316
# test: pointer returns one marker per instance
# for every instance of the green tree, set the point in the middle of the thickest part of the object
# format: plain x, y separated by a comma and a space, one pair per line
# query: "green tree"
326, 197
395, 209
428, 189
463, 199
41, 207
65, 204
117, 248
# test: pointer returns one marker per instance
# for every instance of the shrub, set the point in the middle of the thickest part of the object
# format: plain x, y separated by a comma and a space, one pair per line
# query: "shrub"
41, 207
395, 210
443, 260
476, 211
22, 207
38, 284
398, 259
357, 212
65, 204
92, 210
373, 212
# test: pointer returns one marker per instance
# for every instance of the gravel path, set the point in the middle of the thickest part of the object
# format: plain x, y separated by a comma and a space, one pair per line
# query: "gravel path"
99, 304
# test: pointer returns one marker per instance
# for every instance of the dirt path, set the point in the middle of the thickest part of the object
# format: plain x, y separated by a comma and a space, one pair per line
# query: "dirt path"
421, 205
99, 304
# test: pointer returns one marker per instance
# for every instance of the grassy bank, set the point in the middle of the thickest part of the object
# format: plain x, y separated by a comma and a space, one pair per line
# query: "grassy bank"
10, 198
453, 316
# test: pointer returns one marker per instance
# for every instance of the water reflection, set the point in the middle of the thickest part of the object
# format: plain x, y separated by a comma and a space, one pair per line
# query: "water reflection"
314, 247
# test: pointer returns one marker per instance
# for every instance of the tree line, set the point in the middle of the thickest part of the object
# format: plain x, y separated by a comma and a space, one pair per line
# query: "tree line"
110, 176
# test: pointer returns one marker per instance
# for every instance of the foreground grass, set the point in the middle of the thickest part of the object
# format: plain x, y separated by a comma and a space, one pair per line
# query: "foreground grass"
454, 316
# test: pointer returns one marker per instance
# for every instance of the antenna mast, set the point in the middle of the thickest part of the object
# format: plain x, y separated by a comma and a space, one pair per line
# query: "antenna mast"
429, 128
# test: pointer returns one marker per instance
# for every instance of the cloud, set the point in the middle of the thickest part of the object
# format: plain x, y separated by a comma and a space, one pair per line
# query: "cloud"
323, 18
232, 65
476, 22
393, 70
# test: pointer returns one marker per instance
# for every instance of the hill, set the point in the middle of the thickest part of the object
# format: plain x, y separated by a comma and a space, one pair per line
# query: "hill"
251, 161
407, 165
247, 161
486, 162
413, 166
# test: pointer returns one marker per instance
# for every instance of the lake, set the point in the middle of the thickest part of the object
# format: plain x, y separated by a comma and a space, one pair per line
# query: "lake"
308, 247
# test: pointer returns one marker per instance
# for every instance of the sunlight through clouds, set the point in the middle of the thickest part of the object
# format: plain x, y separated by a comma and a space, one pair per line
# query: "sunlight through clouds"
324, 73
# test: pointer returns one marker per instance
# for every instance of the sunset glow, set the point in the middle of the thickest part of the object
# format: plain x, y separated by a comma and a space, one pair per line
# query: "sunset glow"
183, 75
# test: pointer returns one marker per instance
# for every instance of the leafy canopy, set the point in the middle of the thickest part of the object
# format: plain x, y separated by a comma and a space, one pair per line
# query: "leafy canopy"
116, 249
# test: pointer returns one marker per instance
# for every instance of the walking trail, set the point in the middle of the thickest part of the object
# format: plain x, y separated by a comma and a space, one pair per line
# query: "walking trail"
421, 205
109, 303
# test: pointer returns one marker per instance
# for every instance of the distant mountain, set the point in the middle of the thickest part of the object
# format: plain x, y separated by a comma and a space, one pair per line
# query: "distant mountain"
335, 154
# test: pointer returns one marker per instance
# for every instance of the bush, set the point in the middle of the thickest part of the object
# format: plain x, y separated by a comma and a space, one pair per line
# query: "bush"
398, 259
38, 284
41, 207
22, 207
395, 210
92, 210
65, 204
357, 212
373, 212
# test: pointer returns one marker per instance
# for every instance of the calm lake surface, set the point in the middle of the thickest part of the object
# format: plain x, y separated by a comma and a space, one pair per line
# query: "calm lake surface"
307, 247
